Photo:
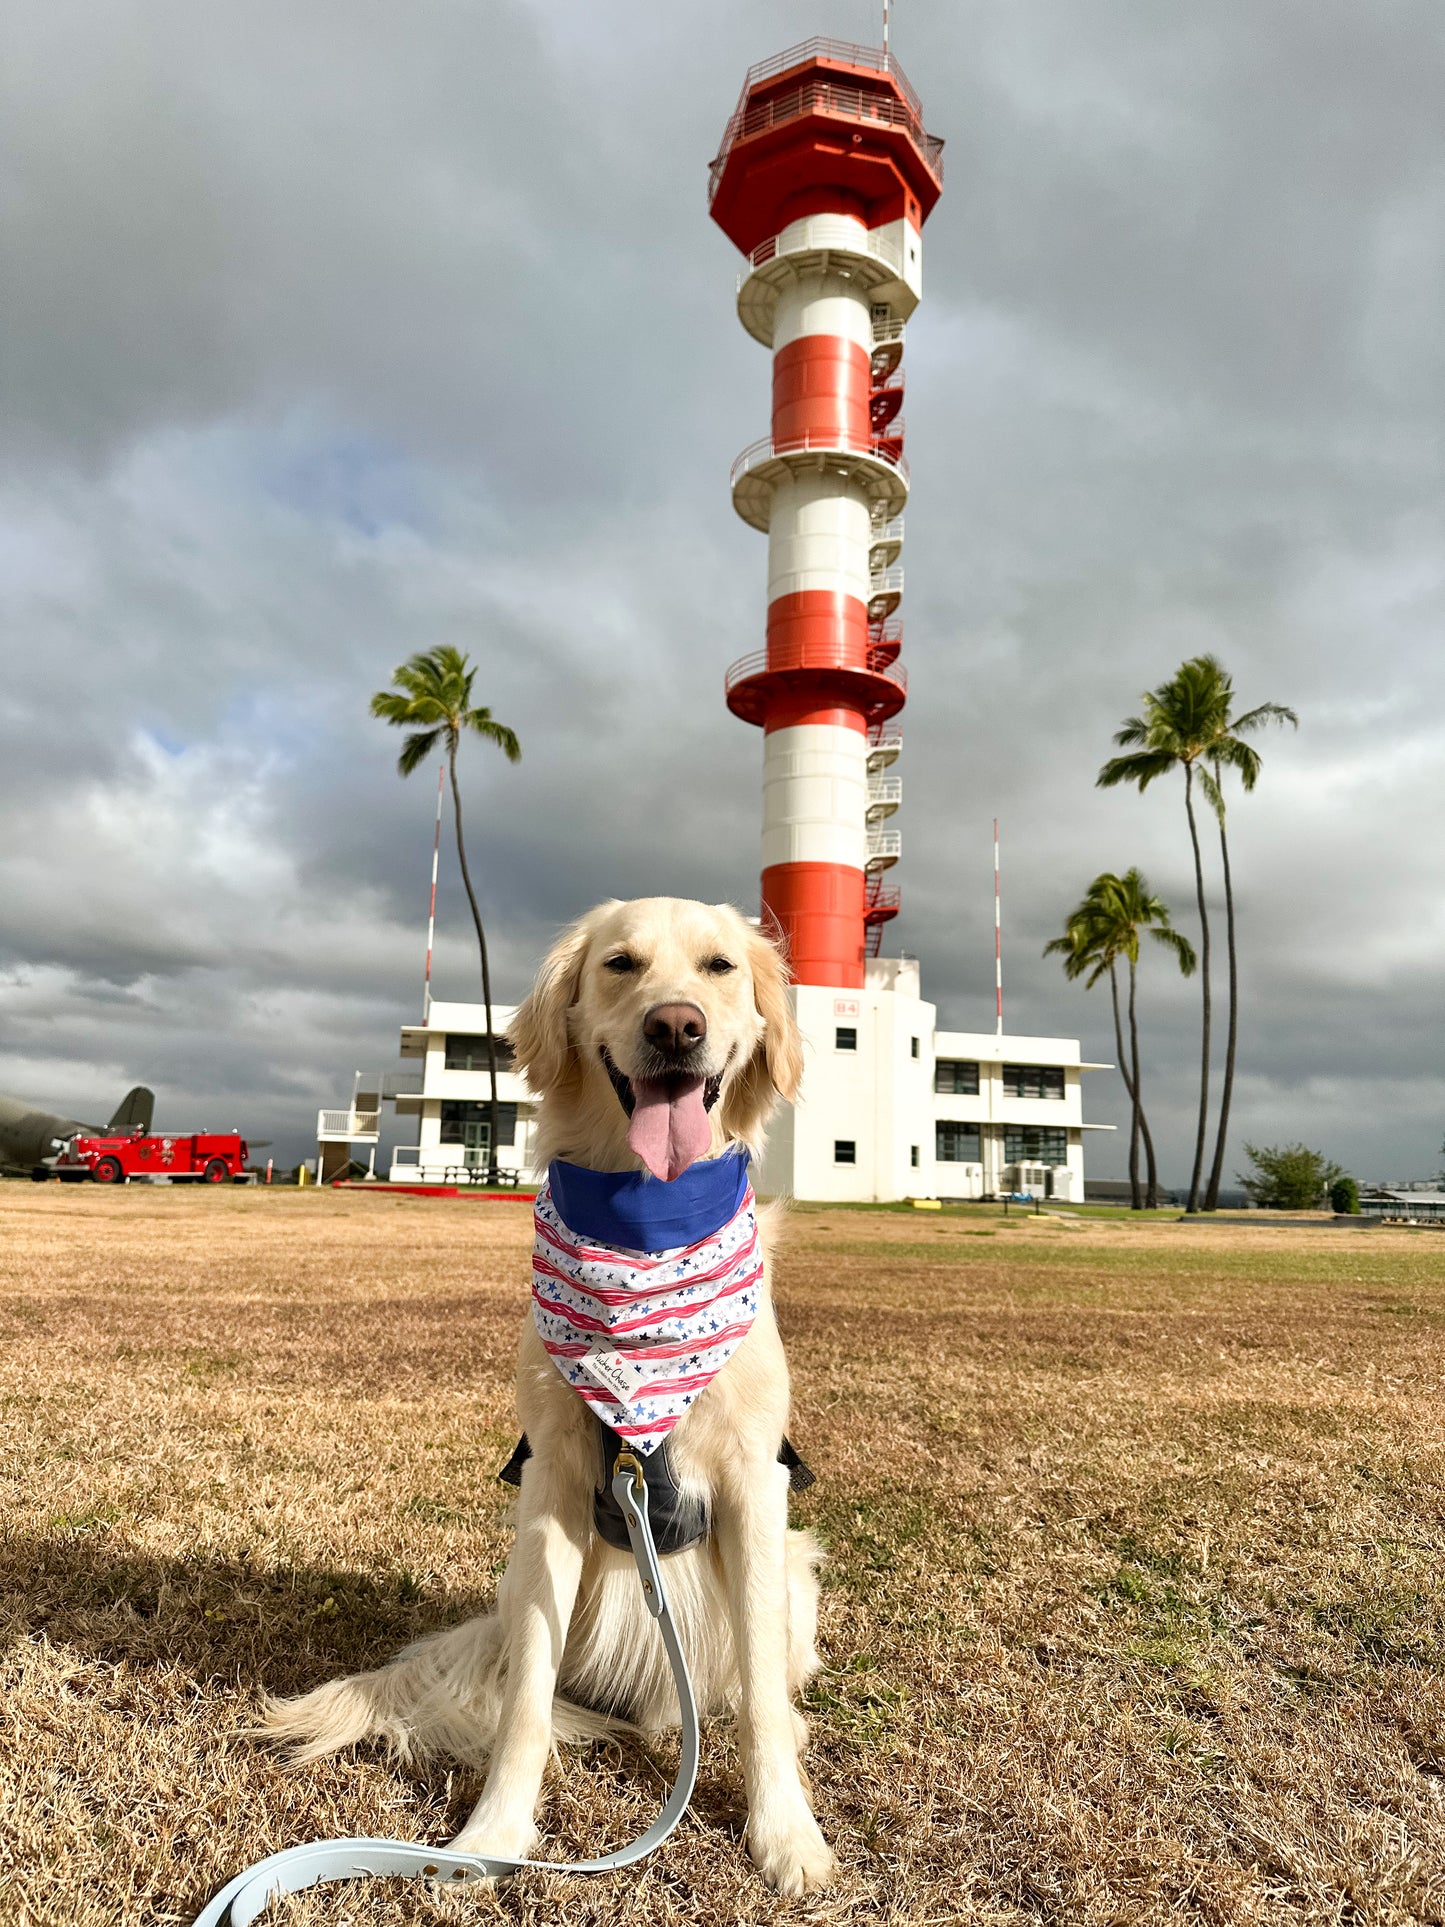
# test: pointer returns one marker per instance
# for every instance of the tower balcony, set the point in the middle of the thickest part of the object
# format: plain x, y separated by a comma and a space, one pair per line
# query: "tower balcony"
872, 259
877, 690
885, 746
885, 592
884, 798
885, 544
883, 850
758, 470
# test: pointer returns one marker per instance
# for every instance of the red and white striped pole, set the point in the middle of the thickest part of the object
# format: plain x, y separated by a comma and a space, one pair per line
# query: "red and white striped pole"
431, 915
997, 940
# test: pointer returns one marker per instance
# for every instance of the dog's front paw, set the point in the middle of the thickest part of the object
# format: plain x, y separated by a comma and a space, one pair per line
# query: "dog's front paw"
790, 1854
496, 1838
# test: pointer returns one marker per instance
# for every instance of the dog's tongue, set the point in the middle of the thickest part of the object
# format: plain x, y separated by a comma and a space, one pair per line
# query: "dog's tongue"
669, 1129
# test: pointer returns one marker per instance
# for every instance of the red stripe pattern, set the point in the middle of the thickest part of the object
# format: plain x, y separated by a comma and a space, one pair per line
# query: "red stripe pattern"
641, 1334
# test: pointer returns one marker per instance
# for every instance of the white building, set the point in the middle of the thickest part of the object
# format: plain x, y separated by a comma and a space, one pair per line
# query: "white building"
891, 1106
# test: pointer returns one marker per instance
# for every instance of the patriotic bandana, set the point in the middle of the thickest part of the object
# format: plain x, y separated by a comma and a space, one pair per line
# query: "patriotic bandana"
642, 1291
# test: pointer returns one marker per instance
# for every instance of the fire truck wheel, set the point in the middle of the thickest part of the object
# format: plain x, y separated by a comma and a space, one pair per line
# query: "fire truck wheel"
107, 1171
216, 1172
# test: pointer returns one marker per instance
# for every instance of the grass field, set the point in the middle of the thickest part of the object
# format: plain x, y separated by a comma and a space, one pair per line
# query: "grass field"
1134, 1609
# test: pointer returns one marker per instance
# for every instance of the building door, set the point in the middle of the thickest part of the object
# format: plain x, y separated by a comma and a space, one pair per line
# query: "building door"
476, 1143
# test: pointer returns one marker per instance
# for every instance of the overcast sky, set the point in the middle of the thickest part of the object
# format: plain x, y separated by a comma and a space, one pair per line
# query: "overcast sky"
335, 331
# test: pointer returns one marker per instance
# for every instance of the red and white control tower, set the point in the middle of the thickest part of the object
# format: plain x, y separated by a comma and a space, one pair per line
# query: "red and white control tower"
824, 180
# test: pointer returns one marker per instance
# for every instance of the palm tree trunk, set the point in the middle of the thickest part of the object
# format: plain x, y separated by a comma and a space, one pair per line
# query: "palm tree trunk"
1211, 1195
1193, 1204
1137, 1203
493, 1107
1136, 1115
1151, 1187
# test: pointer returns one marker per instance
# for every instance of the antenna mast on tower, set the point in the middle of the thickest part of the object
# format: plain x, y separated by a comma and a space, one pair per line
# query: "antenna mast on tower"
997, 941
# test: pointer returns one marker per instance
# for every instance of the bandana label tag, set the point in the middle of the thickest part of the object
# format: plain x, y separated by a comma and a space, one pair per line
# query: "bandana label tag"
606, 1368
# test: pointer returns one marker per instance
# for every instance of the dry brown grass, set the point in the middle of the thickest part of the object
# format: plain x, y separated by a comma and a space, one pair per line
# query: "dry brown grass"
1134, 1610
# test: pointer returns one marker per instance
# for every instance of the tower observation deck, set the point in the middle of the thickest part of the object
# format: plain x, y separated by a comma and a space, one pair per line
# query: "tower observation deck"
823, 182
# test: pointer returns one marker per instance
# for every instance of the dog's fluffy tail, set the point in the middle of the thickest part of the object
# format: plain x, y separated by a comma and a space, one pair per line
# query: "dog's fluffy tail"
441, 1697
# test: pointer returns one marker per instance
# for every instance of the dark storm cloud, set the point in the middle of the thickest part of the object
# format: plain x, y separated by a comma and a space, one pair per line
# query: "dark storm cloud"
336, 332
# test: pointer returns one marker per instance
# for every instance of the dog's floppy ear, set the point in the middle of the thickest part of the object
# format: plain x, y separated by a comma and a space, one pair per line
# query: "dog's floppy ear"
775, 1068
540, 1034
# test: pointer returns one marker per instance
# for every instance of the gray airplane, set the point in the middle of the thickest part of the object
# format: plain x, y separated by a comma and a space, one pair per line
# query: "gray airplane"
27, 1135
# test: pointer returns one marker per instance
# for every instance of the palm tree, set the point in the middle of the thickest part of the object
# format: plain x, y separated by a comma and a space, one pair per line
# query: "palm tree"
1101, 929
432, 697
1227, 751
1187, 725
1181, 718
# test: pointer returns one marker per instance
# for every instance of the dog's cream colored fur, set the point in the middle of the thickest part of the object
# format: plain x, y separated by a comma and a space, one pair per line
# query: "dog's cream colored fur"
570, 1652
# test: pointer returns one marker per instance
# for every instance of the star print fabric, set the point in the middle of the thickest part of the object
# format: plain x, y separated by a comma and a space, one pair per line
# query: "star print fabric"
640, 1334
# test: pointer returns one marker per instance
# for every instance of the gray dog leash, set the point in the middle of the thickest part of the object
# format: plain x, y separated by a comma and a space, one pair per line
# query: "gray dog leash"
241, 1900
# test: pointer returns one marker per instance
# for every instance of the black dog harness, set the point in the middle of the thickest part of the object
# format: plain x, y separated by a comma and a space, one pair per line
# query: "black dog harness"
679, 1519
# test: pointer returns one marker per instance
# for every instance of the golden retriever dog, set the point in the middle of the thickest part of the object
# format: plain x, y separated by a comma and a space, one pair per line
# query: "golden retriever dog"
657, 1033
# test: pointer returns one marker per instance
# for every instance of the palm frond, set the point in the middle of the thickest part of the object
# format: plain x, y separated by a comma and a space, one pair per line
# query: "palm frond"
1181, 946
1213, 794
1265, 713
1142, 768
482, 723
418, 749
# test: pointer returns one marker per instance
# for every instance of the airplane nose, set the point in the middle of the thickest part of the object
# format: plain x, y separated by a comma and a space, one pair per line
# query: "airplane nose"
674, 1029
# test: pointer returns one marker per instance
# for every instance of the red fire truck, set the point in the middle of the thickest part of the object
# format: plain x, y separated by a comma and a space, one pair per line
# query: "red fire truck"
197, 1157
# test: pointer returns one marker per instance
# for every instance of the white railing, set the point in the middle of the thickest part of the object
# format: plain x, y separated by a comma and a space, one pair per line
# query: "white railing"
884, 847
885, 582
885, 745
886, 331
885, 794
832, 234
823, 47
886, 531
821, 444
348, 1126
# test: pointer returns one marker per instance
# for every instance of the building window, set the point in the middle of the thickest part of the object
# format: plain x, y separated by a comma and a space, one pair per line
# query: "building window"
469, 1053
459, 1118
1035, 1144
958, 1143
954, 1077
1033, 1080
845, 1150
913, 1047
845, 1037
913, 1155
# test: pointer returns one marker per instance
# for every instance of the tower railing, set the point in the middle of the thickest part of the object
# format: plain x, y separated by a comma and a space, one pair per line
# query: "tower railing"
843, 238
851, 52
855, 104
784, 656
767, 447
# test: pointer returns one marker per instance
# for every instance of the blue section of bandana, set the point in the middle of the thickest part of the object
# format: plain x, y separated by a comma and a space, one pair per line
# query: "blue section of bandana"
638, 1212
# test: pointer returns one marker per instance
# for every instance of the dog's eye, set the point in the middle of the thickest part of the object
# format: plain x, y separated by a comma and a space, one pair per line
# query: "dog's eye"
718, 966
620, 965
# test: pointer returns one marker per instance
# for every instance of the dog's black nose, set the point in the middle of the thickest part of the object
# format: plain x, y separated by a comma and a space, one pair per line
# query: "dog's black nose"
674, 1028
